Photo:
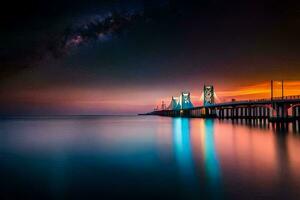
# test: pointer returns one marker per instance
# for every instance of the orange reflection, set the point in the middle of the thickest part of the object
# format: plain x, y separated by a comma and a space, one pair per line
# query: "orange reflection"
254, 155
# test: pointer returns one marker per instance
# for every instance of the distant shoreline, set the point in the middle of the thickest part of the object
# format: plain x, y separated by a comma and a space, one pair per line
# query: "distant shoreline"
60, 116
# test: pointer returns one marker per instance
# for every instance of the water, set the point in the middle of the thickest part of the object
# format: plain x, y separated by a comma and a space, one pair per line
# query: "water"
146, 157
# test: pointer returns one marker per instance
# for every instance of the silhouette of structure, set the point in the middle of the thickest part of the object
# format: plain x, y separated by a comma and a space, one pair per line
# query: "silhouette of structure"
275, 109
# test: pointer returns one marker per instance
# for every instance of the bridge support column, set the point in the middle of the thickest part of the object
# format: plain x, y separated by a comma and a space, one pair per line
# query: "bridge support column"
278, 111
260, 112
249, 112
296, 111
272, 112
285, 111
293, 112
263, 112
206, 111
233, 112
239, 112
281, 111
213, 111
222, 113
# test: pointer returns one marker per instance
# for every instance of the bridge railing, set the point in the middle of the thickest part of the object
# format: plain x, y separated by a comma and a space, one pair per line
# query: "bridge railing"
287, 97
267, 99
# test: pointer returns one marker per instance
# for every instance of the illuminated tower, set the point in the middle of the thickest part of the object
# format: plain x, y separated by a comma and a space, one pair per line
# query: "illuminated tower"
174, 105
185, 100
209, 97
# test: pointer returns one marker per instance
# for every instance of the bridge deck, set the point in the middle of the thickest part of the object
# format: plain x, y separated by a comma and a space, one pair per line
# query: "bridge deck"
287, 99
272, 109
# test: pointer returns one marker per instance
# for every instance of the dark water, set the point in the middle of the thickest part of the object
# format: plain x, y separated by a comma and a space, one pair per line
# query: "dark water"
146, 157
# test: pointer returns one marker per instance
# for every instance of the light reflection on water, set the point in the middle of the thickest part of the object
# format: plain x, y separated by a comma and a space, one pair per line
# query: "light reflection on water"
183, 155
153, 157
211, 160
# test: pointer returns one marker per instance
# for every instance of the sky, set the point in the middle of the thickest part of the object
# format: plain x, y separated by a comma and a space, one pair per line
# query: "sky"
126, 56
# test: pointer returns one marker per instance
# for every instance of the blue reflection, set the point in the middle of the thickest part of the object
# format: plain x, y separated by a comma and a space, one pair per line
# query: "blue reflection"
211, 161
211, 158
183, 152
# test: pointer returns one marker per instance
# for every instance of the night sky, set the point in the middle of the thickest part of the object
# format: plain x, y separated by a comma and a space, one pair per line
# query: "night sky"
124, 57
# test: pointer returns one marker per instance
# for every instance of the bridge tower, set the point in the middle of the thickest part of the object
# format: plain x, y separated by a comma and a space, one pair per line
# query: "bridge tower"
174, 105
209, 97
272, 89
279, 109
185, 100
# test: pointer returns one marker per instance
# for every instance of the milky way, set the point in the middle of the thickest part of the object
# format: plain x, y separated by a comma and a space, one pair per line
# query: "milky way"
101, 30
104, 27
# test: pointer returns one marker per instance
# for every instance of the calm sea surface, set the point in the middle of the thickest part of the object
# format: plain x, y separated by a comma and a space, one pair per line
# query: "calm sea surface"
147, 157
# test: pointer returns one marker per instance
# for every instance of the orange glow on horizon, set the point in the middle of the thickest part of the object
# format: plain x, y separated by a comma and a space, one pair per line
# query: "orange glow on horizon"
248, 92
97, 100
263, 90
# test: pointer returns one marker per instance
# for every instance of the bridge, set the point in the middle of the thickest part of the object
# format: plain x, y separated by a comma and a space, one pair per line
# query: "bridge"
274, 109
